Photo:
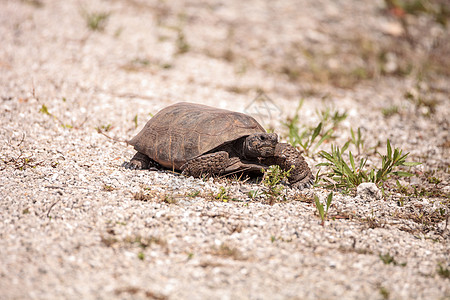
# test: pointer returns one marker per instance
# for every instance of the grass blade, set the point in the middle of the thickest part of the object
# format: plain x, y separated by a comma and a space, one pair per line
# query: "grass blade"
319, 207
389, 149
402, 174
329, 199
326, 136
316, 132
352, 161
411, 163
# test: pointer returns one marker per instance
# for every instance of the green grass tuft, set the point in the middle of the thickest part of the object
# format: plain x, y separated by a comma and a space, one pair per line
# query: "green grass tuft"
273, 178
95, 21
349, 175
310, 138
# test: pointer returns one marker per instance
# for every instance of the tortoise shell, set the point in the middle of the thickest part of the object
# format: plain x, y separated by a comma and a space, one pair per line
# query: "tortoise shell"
184, 131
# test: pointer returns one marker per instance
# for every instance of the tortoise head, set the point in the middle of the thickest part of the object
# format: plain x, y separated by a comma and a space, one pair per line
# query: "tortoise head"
260, 145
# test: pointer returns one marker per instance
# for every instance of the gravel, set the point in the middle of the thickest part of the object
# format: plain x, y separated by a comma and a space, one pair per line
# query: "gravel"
75, 225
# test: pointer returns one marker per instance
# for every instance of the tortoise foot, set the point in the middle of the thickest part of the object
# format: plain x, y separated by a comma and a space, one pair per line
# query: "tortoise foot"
289, 159
139, 161
305, 183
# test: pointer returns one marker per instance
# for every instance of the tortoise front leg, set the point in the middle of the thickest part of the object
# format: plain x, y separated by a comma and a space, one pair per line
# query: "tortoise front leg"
139, 161
287, 156
213, 163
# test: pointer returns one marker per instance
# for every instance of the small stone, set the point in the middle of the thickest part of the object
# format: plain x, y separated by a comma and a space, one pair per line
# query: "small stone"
368, 191
392, 28
415, 181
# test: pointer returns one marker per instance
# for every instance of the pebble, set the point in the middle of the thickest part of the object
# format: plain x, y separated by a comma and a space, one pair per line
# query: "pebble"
368, 191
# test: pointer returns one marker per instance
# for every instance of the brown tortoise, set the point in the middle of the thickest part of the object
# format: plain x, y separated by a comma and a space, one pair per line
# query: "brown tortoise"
198, 139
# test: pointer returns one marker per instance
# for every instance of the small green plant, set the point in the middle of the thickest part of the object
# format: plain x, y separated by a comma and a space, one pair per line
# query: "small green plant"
118, 32
222, 195
347, 176
390, 111
387, 259
323, 212
137, 64
436, 9
384, 292
357, 140
434, 180
104, 128
169, 199
108, 188
138, 241
227, 251
310, 138
108, 241
35, 3
45, 111
273, 178
166, 65
138, 61
154, 196
135, 121
145, 242
316, 132
253, 194
402, 189
141, 196
19, 162
181, 43
430, 192
443, 271
193, 194
95, 21
423, 103
333, 118
341, 176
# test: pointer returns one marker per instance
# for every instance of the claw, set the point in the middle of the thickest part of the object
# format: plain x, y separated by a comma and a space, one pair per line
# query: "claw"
304, 184
128, 165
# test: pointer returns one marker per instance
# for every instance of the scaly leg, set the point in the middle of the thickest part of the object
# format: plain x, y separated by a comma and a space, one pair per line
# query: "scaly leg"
287, 156
213, 163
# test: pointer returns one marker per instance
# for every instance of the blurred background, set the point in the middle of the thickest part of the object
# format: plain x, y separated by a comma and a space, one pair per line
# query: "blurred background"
120, 61
236, 47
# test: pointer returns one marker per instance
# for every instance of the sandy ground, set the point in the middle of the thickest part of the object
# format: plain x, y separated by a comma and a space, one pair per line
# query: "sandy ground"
75, 225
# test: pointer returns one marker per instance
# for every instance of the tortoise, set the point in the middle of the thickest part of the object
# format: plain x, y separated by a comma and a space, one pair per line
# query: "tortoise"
202, 140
